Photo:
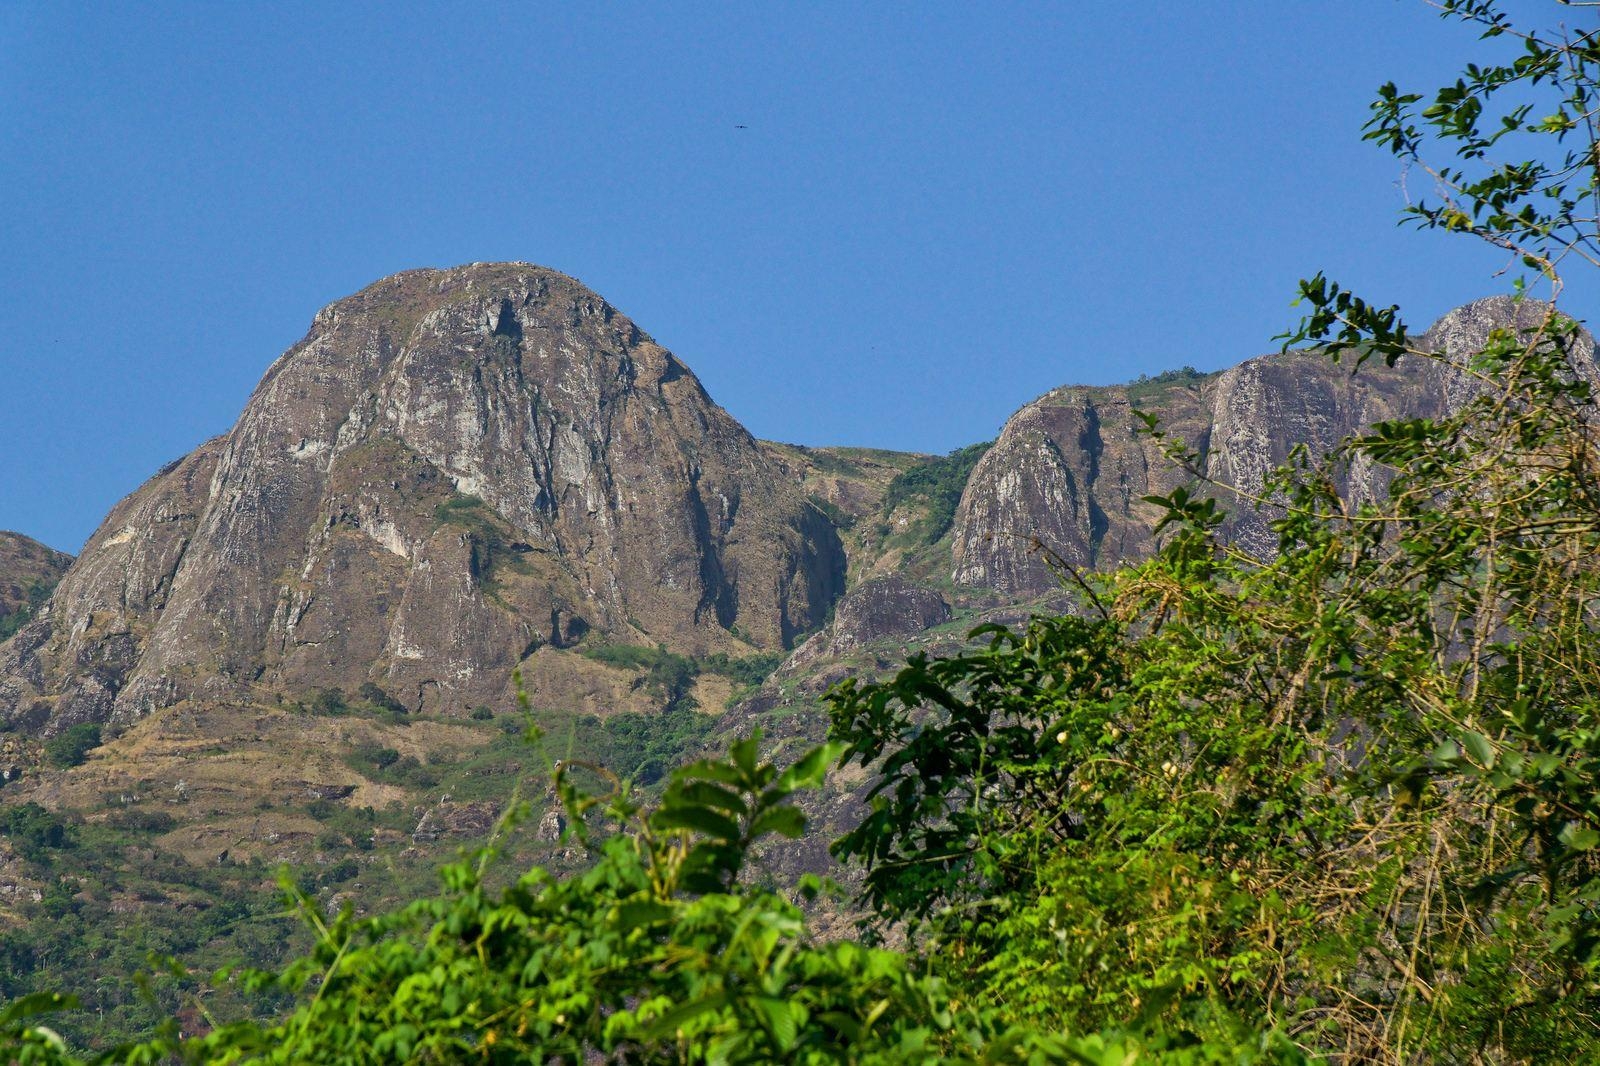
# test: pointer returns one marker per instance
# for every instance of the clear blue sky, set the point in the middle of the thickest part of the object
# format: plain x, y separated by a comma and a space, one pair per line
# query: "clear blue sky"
937, 212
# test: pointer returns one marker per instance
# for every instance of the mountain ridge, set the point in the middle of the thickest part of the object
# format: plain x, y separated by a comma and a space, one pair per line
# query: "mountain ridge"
295, 645
455, 469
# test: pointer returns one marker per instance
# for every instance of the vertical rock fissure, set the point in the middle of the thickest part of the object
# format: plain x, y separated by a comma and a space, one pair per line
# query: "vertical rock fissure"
1093, 444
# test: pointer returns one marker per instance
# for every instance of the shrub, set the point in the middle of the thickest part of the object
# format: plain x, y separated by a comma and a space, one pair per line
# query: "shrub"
142, 821
378, 698
33, 831
72, 745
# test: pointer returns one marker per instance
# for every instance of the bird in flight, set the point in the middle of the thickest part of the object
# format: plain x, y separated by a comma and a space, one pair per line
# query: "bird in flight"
741, 127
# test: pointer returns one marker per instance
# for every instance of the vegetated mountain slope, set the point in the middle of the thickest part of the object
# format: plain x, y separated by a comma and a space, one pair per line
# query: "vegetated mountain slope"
28, 573
1070, 469
451, 470
462, 472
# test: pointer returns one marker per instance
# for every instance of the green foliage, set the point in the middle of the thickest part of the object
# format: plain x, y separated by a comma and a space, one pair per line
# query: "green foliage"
368, 757
1538, 99
72, 745
34, 832
639, 748
666, 675
660, 952
377, 762
1347, 792
1147, 387
329, 702
669, 676
839, 517
112, 901
627, 960
142, 821
378, 698
370, 701
939, 483
38, 593
745, 671
1341, 803
25, 1040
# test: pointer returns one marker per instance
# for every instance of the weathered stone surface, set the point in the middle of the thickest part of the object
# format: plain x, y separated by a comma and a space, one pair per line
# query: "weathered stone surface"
453, 468
1067, 476
876, 609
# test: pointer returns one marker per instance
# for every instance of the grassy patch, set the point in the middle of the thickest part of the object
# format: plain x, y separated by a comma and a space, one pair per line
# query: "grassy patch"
1145, 388
493, 542
669, 676
38, 593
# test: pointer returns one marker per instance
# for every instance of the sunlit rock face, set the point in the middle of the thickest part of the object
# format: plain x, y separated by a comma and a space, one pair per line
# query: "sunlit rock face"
876, 609
1065, 482
452, 468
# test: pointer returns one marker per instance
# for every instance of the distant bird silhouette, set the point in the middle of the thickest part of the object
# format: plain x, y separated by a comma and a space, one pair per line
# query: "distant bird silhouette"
741, 127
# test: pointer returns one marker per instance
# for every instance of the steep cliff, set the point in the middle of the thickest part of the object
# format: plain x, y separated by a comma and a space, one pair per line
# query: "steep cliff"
1068, 474
452, 469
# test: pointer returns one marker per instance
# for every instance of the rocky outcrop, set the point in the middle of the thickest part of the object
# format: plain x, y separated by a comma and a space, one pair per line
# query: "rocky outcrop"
452, 469
28, 571
876, 609
1066, 479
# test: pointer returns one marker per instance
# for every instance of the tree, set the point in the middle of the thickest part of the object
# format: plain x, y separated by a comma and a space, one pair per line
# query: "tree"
1351, 792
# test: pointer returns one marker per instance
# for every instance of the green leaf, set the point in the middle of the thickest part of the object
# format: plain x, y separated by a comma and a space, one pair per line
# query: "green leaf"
706, 794
1578, 838
699, 819
677, 1018
36, 1003
785, 821
812, 768
1479, 747
778, 1018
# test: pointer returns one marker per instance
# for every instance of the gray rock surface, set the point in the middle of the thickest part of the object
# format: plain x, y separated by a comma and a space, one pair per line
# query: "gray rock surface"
876, 609
451, 469
1067, 477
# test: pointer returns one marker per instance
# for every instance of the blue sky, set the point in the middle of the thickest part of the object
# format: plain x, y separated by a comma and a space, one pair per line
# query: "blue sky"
937, 211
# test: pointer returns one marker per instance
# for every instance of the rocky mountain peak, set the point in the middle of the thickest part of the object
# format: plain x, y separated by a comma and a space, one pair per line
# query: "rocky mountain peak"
452, 468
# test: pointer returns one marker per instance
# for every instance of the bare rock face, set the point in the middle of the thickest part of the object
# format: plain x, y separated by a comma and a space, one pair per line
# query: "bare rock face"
880, 607
1063, 482
1066, 478
452, 469
28, 571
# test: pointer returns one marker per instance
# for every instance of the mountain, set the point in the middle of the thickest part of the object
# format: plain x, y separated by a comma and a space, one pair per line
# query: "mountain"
462, 473
29, 572
452, 471
1070, 470
300, 638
